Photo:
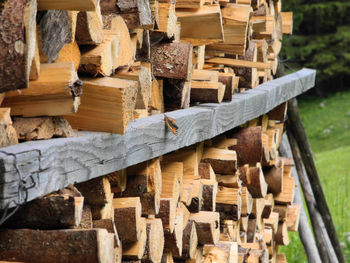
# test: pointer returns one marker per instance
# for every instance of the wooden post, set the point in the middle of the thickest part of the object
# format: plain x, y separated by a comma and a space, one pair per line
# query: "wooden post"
305, 231
296, 128
319, 227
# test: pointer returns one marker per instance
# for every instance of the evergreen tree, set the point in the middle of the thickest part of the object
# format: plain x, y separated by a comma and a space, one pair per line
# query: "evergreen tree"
321, 40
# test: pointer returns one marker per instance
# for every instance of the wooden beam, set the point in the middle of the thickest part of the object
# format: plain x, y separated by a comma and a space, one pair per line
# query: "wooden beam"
103, 153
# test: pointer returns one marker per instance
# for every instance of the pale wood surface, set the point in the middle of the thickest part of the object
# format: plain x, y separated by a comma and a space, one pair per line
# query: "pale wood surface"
56, 163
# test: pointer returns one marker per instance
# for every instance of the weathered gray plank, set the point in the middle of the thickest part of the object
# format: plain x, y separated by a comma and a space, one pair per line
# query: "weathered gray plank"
53, 164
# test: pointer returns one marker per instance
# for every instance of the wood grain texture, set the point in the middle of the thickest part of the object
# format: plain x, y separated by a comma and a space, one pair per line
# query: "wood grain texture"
54, 164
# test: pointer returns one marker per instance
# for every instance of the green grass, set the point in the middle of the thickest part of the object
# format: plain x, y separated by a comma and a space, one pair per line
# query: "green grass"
327, 124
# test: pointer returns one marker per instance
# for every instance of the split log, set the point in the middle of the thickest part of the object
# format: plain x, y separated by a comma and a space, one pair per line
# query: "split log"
155, 241
256, 182
178, 169
228, 80
135, 250
103, 211
50, 212
235, 24
157, 99
78, 5
198, 56
125, 54
205, 75
274, 177
191, 25
173, 239
95, 191
37, 100
229, 180
99, 60
247, 202
269, 206
167, 213
230, 231
249, 147
70, 53
224, 251
107, 105
272, 221
282, 234
137, 14
287, 195
118, 181
207, 226
127, 217
53, 33
86, 219
292, 219
89, 29
145, 181
29, 129
222, 161
176, 94
189, 157
109, 225
167, 19
205, 171
207, 91
228, 203
196, 198
172, 60
189, 241
8, 133
170, 186
141, 73
17, 20
90, 245
252, 229
209, 191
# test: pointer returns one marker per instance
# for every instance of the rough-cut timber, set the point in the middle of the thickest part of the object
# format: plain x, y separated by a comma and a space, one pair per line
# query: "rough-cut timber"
90, 246
101, 153
17, 28
107, 105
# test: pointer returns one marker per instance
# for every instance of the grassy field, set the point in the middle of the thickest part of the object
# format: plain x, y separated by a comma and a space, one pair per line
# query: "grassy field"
327, 123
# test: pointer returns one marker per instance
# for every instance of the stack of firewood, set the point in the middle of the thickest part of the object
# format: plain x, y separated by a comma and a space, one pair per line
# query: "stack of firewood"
96, 65
225, 200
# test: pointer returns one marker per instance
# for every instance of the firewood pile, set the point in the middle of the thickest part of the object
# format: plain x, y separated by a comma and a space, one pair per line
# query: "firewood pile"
224, 200
96, 65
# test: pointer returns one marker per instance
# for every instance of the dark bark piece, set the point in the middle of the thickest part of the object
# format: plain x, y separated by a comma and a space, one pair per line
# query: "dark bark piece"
274, 177
95, 191
15, 55
172, 60
127, 217
189, 241
279, 113
249, 147
155, 241
50, 212
228, 80
74, 246
176, 94
55, 32
207, 226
